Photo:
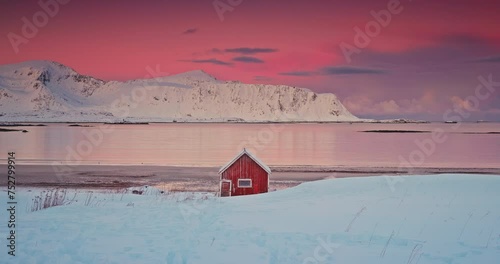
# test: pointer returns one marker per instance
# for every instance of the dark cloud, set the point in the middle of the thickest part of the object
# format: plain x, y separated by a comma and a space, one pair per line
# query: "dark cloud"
248, 51
247, 59
447, 49
216, 50
492, 59
190, 31
262, 78
298, 73
463, 40
344, 70
334, 70
211, 61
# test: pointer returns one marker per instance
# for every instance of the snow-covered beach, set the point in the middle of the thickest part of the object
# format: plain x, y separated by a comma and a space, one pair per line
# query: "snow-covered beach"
447, 218
337, 194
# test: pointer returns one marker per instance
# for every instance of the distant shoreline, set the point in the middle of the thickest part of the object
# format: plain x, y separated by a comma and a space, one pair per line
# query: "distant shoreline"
34, 123
177, 178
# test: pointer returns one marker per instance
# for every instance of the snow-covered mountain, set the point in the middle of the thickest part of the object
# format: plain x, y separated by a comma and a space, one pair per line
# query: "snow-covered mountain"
37, 91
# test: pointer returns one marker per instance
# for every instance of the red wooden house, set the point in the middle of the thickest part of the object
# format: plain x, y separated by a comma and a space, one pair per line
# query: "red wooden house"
244, 175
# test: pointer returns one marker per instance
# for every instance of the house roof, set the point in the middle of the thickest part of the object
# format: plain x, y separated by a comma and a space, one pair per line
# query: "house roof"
253, 157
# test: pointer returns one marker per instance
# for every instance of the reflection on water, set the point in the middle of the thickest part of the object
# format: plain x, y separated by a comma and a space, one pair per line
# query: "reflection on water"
275, 144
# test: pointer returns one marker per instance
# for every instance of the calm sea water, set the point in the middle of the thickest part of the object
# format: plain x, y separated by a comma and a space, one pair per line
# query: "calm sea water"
275, 144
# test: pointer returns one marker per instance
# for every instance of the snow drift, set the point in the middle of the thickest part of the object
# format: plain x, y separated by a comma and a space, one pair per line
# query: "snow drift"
412, 219
51, 92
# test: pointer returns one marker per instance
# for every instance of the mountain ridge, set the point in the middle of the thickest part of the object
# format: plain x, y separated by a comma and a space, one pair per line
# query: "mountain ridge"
47, 91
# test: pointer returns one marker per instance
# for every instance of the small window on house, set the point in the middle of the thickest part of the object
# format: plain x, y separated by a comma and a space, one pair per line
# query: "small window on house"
244, 183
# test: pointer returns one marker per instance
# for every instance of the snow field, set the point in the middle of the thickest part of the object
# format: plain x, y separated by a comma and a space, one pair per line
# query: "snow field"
449, 218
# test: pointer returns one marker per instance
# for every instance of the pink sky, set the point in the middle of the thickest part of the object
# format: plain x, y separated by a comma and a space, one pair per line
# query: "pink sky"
426, 60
